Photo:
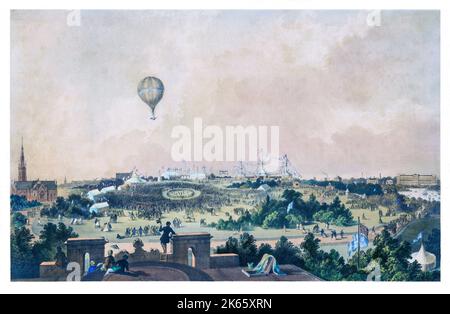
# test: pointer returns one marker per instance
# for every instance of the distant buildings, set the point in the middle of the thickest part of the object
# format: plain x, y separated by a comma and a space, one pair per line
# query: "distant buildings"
373, 181
417, 180
172, 174
123, 175
37, 190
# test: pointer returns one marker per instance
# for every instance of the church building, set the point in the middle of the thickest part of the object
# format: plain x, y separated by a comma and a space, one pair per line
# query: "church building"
37, 190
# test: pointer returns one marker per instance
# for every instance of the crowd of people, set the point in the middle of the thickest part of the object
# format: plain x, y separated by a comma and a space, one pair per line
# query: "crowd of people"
105, 227
332, 233
146, 231
110, 265
147, 201
139, 232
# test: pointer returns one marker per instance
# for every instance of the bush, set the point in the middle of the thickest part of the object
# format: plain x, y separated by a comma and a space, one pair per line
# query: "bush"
19, 220
273, 220
18, 203
245, 247
274, 213
335, 213
73, 206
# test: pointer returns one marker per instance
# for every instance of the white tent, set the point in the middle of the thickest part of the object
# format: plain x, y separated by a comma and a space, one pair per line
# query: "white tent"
99, 208
171, 175
264, 188
197, 176
424, 258
135, 179
108, 189
92, 194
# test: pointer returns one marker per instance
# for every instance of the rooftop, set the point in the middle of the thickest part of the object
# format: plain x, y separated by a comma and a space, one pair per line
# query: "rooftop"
293, 273
194, 234
158, 271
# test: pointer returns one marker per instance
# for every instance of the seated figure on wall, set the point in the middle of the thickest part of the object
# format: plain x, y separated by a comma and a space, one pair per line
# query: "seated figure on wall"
121, 267
109, 261
61, 258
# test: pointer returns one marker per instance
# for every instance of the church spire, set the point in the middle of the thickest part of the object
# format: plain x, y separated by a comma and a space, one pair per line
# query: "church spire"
22, 165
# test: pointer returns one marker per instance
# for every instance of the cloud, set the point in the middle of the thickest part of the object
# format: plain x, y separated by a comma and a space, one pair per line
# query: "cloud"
326, 78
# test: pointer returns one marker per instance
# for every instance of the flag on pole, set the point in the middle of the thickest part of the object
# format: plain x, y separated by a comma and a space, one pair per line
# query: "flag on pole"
364, 230
419, 238
290, 207
352, 247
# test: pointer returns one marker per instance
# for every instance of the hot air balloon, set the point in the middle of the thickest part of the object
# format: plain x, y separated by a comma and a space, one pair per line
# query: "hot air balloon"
151, 90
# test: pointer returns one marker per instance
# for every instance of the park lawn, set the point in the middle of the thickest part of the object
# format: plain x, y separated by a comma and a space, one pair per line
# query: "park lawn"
424, 225
372, 217
87, 230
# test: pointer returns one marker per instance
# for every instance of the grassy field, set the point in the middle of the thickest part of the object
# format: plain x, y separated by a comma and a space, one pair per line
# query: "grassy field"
87, 230
425, 225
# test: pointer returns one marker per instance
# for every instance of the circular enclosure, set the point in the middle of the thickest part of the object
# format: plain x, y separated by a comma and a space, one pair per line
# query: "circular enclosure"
181, 194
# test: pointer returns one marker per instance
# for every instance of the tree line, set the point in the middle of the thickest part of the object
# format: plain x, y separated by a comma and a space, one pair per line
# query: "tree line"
360, 188
18, 203
27, 254
390, 254
290, 211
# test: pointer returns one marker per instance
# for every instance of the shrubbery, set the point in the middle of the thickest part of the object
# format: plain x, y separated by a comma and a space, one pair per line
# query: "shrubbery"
20, 203
26, 256
73, 206
367, 189
19, 220
243, 223
335, 214
253, 184
392, 256
274, 214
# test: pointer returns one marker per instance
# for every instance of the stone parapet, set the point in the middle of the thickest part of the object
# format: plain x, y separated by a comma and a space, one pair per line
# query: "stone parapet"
224, 261
50, 271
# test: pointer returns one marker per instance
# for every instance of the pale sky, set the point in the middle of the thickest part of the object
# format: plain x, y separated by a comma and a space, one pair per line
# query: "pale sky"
349, 98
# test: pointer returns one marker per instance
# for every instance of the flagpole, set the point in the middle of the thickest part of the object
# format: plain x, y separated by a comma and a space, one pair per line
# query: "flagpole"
359, 241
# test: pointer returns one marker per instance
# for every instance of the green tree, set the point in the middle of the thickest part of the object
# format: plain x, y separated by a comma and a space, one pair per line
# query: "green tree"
247, 249
286, 253
263, 249
19, 220
293, 220
273, 220
50, 238
329, 266
231, 246
291, 195
20, 203
393, 257
310, 247
23, 263
433, 244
